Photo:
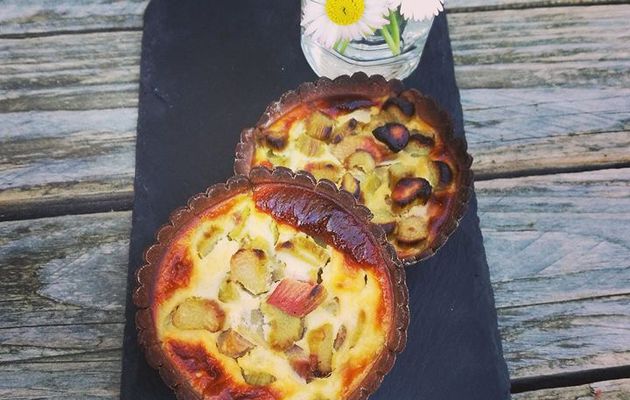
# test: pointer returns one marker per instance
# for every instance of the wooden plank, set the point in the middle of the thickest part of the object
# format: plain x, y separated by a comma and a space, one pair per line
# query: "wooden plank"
566, 336
62, 306
557, 238
607, 390
458, 6
522, 131
562, 47
62, 271
70, 72
61, 380
45, 16
501, 116
66, 154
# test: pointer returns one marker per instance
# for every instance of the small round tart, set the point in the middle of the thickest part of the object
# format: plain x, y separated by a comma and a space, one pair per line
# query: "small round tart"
272, 286
393, 149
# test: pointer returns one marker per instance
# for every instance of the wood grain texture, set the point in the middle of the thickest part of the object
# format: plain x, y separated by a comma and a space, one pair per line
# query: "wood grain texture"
567, 308
522, 131
70, 72
557, 238
607, 390
458, 6
72, 378
63, 271
558, 248
45, 16
66, 154
583, 46
62, 306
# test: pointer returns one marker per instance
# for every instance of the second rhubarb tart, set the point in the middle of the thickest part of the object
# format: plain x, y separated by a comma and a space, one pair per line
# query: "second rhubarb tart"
272, 287
393, 149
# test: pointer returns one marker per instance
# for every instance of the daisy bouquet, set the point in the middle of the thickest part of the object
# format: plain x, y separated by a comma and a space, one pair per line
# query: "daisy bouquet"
336, 23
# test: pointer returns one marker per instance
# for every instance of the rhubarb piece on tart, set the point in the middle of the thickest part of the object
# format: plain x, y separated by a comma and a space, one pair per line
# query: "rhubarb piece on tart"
272, 286
392, 149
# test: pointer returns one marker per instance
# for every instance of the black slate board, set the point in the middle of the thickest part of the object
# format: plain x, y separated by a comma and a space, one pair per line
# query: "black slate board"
206, 73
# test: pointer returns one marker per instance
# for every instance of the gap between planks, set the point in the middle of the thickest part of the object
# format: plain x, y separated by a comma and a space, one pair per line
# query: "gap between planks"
453, 7
123, 201
32, 35
577, 378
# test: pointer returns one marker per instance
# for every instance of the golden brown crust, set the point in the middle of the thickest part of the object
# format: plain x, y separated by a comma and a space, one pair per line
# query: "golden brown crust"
361, 86
258, 177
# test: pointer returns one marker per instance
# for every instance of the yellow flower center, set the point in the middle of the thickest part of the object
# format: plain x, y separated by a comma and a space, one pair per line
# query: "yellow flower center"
345, 12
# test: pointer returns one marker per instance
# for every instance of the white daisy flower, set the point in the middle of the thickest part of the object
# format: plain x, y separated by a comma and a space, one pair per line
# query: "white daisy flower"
418, 9
328, 21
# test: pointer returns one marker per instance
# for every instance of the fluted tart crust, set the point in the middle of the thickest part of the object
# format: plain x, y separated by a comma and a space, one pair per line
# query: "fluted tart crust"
272, 287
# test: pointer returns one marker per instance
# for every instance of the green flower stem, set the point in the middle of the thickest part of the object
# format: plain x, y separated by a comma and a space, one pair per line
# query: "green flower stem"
393, 23
344, 44
390, 41
336, 45
341, 45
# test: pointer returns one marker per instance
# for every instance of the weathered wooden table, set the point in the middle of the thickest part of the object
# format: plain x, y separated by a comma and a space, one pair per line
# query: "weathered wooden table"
545, 86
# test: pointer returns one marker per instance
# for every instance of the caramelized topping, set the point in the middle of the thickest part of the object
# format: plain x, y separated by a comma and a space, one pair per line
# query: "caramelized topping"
370, 140
264, 316
340, 338
276, 140
300, 362
404, 105
420, 144
343, 105
306, 210
320, 342
352, 144
444, 172
407, 190
232, 344
399, 171
341, 132
394, 135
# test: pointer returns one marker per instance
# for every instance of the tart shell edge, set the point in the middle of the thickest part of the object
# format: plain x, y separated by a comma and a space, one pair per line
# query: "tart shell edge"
145, 276
362, 84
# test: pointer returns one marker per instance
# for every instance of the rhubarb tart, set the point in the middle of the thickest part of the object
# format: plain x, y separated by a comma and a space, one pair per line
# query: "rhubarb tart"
392, 149
272, 286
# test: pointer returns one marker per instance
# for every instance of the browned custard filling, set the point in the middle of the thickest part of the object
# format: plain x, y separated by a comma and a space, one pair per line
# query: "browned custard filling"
245, 304
381, 150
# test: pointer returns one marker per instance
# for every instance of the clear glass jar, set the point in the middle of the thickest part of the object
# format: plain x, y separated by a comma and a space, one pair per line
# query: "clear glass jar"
371, 55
